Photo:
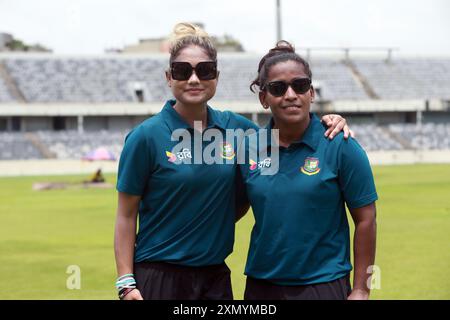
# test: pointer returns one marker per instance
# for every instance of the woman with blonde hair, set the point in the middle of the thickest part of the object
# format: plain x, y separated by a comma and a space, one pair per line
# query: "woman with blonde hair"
186, 210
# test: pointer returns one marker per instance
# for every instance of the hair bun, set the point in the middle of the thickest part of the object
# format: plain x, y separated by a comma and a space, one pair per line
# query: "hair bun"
186, 29
283, 51
283, 46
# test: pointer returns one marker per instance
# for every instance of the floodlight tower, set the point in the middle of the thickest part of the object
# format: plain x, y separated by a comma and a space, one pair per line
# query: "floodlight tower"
278, 3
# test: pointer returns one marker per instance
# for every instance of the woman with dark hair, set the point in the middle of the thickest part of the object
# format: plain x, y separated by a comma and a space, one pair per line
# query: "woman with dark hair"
300, 247
186, 210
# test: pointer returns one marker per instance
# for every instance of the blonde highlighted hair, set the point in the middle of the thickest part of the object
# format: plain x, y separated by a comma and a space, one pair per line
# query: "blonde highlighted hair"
186, 34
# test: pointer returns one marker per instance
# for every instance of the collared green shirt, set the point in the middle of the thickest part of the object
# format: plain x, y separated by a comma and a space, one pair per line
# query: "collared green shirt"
187, 210
301, 232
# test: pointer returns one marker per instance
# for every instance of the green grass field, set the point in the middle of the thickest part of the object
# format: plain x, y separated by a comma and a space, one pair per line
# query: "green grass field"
42, 233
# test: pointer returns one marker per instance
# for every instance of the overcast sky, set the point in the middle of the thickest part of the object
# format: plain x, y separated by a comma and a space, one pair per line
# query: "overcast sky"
416, 27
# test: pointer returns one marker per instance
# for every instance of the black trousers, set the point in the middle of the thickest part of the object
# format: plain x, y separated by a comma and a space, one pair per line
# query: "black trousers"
166, 281
257, 289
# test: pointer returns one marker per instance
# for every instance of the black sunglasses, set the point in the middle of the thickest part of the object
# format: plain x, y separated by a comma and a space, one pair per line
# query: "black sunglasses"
205, 70
279, 88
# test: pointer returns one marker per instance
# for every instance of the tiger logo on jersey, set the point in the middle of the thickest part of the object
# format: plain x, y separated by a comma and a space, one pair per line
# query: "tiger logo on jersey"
311, 166
227, 151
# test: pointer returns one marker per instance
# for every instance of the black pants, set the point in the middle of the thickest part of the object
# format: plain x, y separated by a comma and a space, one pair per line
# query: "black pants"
165, 281
257, 289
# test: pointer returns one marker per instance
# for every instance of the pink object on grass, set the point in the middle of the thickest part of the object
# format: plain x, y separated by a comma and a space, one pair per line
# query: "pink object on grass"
99, 154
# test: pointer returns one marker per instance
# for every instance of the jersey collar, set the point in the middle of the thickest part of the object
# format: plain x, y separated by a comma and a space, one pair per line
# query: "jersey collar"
175, 121
311, 137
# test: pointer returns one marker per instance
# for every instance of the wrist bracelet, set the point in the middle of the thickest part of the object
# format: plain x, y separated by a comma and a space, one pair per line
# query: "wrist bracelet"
125, 281
124, 292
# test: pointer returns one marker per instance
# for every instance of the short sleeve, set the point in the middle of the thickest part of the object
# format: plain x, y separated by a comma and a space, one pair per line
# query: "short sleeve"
135, 165
355, 175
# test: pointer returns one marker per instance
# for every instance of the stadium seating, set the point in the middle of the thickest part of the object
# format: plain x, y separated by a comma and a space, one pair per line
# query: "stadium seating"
424, 137
336, 81
235, 77
73, 145
15, 145
372, 137
87, 80
111, 79
5, 95
54, 79
408, 78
